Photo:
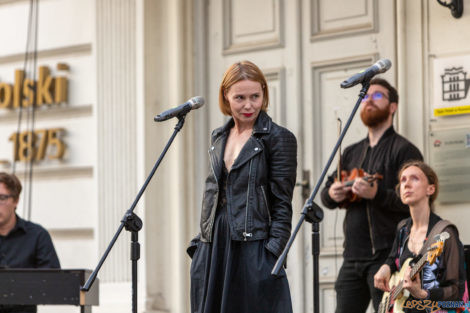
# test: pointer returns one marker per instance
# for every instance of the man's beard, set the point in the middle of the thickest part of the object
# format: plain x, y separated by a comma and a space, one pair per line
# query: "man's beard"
375, 117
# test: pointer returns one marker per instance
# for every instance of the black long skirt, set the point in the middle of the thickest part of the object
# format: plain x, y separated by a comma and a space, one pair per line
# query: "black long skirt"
235, 277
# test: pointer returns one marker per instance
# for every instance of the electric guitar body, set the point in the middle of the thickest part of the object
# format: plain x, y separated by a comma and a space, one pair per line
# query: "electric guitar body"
395, 305
394, 301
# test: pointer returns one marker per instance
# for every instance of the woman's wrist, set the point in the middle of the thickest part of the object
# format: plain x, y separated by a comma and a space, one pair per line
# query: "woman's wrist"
422, 294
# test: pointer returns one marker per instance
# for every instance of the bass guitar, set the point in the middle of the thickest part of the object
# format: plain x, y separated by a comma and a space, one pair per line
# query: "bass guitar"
393, 301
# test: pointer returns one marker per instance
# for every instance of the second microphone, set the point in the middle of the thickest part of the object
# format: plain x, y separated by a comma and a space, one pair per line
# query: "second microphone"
191, 104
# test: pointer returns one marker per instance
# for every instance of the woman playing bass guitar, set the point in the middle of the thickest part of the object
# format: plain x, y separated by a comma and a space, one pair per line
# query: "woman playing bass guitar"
444, 280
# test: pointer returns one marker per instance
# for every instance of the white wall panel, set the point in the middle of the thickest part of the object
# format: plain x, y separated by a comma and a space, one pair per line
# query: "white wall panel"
327, 298
73, 206
451, 39
252, 24
332, 18
61, 23
277, 94
75, 248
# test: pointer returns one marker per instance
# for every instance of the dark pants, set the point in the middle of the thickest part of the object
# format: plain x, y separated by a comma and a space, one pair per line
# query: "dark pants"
355, 286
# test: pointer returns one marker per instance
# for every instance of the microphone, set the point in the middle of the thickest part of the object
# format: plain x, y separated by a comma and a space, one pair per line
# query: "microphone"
191, 104
381, 66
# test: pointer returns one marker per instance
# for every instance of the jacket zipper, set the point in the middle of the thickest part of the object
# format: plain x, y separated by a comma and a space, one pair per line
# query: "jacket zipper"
370, 229
246, 233
211, 223
266, 202
367, 204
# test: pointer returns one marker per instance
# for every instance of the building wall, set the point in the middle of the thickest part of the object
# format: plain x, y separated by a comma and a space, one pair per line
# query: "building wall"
72, 46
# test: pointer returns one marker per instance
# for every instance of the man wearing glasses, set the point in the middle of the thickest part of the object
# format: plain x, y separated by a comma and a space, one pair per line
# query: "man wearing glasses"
22, 244
373, 209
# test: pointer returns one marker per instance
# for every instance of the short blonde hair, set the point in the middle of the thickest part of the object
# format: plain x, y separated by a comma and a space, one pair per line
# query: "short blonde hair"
237, 72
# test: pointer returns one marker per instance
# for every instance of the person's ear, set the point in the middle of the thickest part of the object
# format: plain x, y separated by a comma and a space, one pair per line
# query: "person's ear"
431, 190
15, 201
393, 107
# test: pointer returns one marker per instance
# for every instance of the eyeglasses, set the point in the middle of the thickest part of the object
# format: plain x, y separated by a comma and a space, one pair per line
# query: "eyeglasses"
4, 198
375, 96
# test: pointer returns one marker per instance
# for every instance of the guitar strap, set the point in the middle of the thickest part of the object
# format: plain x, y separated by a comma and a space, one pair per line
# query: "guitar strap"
437, 229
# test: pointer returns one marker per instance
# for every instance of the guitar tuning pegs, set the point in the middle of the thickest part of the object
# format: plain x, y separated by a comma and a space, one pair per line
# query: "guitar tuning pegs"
442, 236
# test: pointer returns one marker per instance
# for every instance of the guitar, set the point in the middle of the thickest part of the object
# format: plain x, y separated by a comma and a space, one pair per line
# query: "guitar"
394, 300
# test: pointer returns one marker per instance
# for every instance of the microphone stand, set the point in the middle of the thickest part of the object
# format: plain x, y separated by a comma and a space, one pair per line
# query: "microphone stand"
313, 214
133, 223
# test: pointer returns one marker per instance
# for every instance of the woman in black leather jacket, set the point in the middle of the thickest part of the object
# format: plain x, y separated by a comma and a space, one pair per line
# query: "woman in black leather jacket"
246, 210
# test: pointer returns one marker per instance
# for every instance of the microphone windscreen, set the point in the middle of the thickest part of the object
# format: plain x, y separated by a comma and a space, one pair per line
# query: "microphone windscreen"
197, 102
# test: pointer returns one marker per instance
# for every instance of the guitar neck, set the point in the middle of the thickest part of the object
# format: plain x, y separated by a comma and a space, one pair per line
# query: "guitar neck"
418, 266
414, 271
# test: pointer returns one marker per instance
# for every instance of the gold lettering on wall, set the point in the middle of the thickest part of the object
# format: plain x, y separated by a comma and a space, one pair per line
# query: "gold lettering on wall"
5, 95
28, 92
60, 90
29, 145
19, 75
50, 90
44, 94
36, 145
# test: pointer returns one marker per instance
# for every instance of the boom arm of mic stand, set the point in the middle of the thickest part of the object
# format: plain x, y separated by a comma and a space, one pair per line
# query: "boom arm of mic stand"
309, 205
93, 275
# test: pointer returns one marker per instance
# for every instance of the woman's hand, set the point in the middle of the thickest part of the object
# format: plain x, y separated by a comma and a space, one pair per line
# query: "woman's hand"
414, 286
382, 277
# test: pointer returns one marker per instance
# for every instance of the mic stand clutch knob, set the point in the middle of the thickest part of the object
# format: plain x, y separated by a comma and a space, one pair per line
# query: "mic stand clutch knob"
314, 213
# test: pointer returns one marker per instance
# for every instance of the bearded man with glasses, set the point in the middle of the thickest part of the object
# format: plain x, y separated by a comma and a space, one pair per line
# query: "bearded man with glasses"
22, 244
373, 209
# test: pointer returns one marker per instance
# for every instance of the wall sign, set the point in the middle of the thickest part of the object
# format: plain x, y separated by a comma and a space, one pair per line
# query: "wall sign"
450, 158
50, 90
451, 86
29, 145
40, 144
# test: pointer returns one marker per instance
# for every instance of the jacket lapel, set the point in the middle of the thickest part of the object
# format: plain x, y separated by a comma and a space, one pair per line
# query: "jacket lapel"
216, 154
251, 148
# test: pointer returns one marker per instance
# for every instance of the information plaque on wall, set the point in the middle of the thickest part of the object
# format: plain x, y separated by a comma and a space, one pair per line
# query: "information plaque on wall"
450, 158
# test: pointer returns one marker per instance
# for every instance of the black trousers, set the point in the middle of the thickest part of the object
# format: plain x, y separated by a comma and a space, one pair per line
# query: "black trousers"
355, 286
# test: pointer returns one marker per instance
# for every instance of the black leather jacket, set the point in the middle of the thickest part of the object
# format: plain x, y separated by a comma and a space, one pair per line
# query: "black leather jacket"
259, 185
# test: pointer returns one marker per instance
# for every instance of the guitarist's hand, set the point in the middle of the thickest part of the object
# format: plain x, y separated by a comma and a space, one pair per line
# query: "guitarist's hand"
364, 189
382, 277
338, 192
414, 286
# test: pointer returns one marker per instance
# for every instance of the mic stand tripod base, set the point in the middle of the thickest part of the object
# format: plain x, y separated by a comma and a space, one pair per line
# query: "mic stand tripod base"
314, 216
